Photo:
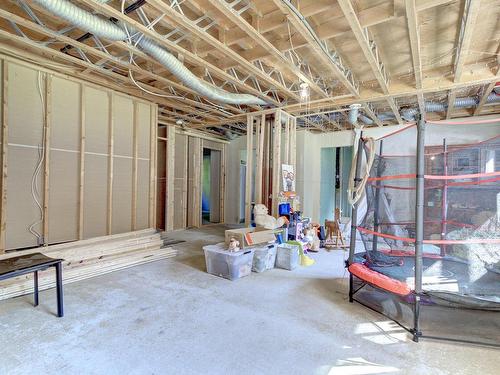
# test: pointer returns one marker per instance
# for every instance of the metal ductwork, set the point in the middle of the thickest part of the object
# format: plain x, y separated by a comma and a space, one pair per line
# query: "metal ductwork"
109, 30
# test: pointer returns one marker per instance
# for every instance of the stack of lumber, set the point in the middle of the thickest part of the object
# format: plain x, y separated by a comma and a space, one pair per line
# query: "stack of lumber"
88, 258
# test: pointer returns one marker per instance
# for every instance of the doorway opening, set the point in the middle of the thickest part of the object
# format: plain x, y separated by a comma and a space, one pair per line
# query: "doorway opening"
211, 185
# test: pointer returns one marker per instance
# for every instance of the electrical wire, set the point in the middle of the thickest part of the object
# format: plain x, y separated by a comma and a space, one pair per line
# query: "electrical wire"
41, 156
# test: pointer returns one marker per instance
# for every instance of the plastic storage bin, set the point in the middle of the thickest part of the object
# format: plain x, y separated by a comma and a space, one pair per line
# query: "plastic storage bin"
228, 265
287, 256
264, 258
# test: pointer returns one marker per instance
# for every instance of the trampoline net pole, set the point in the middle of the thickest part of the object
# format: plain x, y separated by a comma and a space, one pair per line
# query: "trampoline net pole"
354, 214
419, 221
377, 200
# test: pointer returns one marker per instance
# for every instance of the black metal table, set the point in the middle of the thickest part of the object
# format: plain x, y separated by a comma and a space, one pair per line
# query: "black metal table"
24, 264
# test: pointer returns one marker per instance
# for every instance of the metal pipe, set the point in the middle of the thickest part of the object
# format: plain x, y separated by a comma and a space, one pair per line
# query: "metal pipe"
354, 215
419, 220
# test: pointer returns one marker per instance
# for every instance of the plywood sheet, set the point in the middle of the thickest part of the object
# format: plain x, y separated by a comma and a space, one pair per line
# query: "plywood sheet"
194, 182
63, 196
24, 106
123, 114
22, 210
96, 120
65, 122
142, 194
122, 195
95, 195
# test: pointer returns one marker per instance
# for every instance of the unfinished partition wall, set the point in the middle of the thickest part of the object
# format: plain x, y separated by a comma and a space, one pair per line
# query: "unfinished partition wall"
78, 160
187, 185
271, 142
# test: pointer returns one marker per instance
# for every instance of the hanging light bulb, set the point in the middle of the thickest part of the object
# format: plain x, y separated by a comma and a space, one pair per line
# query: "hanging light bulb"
304, 91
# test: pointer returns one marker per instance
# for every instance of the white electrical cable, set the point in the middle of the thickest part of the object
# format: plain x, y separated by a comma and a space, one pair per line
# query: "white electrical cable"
355, 193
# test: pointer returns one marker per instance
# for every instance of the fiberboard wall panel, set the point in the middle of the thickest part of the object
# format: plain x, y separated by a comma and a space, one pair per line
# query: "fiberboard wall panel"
64, 161
122, 195
180, 182
142, 221
95, 200
25, 122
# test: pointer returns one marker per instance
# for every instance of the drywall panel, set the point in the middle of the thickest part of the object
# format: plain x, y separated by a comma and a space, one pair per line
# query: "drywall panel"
22, 211
122, 195
66, 116
25, 114
95, 195
180, 182
142, 210
96, 120
143, 129
123, 117
63, 196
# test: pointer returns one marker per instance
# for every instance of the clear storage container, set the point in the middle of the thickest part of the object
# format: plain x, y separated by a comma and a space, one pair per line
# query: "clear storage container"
226, 264
264, 258
287, 256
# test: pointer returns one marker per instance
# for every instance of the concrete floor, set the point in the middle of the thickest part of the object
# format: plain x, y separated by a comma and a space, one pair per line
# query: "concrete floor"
170, 317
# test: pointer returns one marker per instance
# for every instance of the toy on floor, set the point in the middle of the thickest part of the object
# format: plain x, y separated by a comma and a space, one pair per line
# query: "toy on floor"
311, 239
333, 232
305, 260
234, 245
262, 219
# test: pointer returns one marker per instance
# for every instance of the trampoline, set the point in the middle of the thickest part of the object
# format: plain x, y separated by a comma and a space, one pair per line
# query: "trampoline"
429, 224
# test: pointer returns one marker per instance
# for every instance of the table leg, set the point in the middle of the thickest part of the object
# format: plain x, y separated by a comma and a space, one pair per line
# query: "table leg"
35, 288
59, 287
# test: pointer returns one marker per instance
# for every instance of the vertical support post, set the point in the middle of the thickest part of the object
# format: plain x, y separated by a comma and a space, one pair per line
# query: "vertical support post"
293, 144
46, 165
354, 216
376, 224
248, 177
419, 220
153, 166
3, 155
259, 127
81, 186
109, 210
287, 141
170, 163
444, 199
135, 153
276, 162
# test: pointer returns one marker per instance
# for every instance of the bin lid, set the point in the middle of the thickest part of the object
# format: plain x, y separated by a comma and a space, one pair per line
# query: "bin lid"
221, 248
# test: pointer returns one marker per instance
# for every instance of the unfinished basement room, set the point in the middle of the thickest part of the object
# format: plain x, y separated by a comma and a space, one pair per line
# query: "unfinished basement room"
305, 187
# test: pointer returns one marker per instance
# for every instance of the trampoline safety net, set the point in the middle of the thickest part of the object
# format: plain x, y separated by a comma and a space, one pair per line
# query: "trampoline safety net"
461, 243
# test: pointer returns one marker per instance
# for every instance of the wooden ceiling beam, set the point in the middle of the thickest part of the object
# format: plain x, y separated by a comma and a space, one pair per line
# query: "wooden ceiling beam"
188, 55
255, 35
316, 48
487, 91
178, 19
369, 51
412, 22
469, 18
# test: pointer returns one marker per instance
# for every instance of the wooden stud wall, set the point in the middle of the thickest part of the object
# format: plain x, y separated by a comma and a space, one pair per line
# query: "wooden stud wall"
86, 159
268, 140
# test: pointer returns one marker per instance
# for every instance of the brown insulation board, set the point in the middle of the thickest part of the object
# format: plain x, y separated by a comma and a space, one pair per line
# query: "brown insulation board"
65, 123
63, 196
122, 195
142, 194
143, 129
24, 119
95, 195
123, 115
64, 161
96, 120
194, 182
22, 210
180, 182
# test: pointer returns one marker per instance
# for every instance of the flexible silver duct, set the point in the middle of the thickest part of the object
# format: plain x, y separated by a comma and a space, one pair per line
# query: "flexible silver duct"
106, 29
466, 102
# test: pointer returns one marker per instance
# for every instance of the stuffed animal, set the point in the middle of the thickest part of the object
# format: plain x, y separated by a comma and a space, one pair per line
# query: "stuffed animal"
311, 238
262, 219
234, 245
